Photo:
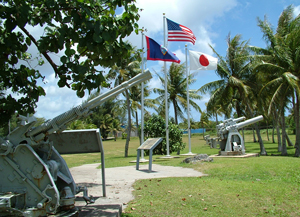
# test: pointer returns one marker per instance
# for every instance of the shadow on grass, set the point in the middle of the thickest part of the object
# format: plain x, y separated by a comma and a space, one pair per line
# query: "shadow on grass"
122, 157
271, 149
157, 160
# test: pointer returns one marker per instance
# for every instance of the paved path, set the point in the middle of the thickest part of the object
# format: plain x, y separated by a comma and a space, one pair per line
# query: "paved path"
119, 180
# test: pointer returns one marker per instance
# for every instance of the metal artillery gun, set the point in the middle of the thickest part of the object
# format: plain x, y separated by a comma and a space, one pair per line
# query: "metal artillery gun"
231, 141
35, 180
212, 142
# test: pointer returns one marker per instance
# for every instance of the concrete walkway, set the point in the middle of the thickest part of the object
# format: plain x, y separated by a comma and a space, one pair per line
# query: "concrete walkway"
119, 181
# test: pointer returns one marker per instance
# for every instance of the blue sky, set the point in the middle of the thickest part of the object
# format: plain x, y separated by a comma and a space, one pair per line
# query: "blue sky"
211, 22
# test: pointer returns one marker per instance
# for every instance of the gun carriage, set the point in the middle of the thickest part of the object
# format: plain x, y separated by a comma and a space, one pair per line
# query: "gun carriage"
230, 139
35, 180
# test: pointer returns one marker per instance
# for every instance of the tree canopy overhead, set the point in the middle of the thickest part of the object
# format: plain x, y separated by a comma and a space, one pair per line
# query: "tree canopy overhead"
87, 33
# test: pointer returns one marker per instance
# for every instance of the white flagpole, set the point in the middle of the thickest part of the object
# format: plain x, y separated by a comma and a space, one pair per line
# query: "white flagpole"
188, 99
166, 93
142, 100
188, 103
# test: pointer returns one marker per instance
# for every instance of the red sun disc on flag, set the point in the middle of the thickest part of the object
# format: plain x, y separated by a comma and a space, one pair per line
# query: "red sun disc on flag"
203, 60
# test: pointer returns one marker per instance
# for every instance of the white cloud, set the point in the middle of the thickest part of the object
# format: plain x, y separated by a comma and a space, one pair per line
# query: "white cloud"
50, 78
197, 15
155, 83
57, 101
181, 55
297, 10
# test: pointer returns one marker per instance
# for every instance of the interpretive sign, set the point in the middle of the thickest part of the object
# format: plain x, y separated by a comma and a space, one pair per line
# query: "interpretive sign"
149, 144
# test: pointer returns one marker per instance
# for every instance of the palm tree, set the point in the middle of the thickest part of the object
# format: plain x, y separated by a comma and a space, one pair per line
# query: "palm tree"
232, 91
177, 91
204, 120
130, 68
281, 89
104, 115
214, 111
80, 124
115, 127
282, 60
105, 125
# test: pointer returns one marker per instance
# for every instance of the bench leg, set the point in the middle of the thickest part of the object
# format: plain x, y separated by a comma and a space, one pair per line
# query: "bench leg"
138, 159
150, 161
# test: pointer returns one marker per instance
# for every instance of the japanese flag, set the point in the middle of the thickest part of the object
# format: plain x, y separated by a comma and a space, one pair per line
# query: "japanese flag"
201, 61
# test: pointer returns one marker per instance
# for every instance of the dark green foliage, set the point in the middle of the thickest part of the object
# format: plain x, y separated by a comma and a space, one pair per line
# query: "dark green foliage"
177, 91
124, 135
79, 124
103, 117
290, 122
91, 26
155, 127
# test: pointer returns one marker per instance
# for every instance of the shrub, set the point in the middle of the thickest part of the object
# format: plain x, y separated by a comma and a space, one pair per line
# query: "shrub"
124, 135
155, 127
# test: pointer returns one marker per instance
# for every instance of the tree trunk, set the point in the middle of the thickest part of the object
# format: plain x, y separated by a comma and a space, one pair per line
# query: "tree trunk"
175, 112
284, 149
278, 138
261, 144
176, 120
273, 131
217, 119
278, 131
297, 143
268, 132
128, 125
137, 126
290, 143
254, 139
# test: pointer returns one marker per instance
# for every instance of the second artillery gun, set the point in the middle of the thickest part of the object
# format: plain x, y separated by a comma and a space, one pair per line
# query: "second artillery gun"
35, 179
230, 140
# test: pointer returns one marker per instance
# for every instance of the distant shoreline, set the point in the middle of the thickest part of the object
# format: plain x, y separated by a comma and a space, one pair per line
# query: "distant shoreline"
200, 130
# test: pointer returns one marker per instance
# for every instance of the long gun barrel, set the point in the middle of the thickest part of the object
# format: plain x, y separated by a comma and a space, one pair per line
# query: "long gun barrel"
235, 126
31, 166
249, 121
230, 139
59, 123
228, 121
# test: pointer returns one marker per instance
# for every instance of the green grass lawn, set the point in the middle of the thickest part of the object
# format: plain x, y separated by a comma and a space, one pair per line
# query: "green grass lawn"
256, 186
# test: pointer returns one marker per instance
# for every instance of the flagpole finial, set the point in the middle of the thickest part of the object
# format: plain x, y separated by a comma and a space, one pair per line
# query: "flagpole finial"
164, 14
185, 45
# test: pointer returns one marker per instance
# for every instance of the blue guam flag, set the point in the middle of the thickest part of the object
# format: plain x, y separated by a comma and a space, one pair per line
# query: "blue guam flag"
159, 52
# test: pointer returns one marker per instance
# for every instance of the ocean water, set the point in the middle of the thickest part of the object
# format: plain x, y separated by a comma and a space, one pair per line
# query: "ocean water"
200, 130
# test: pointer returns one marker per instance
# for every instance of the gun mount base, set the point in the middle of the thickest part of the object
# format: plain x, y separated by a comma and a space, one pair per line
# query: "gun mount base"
230, 153
35, 179
231, 142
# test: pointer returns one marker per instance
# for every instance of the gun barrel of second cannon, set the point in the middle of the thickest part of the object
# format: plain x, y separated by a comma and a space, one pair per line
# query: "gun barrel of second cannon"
239, 119
232, 121
249, 121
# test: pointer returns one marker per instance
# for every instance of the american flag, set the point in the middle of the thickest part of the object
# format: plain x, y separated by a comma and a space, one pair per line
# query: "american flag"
177, 32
